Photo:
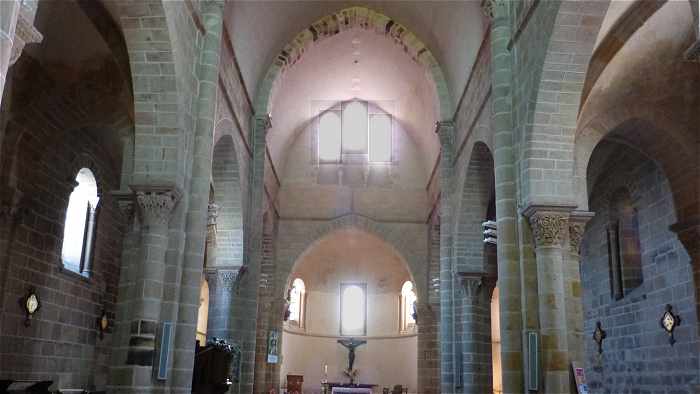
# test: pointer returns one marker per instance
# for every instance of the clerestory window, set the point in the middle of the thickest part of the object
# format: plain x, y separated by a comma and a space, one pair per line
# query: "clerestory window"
355, 130
297, 301
407, 315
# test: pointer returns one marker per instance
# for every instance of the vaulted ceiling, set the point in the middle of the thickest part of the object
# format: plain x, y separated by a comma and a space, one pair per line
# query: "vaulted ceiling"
451, 30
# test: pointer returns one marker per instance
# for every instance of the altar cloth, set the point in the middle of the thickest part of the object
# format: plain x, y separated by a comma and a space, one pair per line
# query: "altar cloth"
351, 390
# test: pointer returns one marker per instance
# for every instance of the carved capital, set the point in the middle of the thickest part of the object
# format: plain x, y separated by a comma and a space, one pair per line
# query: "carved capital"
156, 203
125, 202
577, 227
212, 214
549, 225
445, 129
263, 123
471, 283
25, 33
491, 7
11, 205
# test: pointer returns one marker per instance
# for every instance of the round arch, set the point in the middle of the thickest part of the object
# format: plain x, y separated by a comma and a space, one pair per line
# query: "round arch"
632, 126
473, 208
345, 19
402, 244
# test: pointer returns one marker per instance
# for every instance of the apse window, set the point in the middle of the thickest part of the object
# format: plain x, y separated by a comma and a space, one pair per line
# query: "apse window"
329, 137
79, 228
297, 298
407, 313
353, 309
380, 138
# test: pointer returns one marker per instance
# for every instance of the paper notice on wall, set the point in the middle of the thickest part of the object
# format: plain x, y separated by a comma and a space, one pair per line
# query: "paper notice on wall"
580, 377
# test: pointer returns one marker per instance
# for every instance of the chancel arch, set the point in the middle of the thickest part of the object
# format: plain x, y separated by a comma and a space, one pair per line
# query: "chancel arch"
353, 286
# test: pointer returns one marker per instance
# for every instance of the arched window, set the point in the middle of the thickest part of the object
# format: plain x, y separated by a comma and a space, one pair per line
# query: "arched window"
624, 250
353, 309
355, 127
297, 300
79, 228
329, 137
355, 131
203, 312
407, 315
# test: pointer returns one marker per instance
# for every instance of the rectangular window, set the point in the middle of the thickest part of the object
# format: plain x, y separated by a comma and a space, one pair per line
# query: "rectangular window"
614, 262
380, 138
353, 309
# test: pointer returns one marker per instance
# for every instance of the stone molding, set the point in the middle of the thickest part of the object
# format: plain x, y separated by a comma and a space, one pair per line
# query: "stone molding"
549, 224
156, 203
25, 33
577, 227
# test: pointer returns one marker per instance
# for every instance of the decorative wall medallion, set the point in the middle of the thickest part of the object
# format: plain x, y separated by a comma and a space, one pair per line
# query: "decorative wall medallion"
30, 304
598, 336
669, 322
103, 323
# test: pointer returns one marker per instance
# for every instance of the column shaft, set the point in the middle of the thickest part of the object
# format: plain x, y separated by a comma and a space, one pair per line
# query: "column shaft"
509, 275
445, 131
549, 230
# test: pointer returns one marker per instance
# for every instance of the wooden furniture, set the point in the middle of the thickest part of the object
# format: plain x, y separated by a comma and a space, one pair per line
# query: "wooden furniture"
25, 386
213, 368
294, 383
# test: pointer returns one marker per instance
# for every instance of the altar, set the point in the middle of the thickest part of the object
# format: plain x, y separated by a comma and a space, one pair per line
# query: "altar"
338, 388
351, 390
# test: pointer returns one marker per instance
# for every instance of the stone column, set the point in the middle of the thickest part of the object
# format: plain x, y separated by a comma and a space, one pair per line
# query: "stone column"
509, 275
476, 333
445, 131
245, 307
550, 228
16, 30
428, 352
572, 286
127, 272
155, 204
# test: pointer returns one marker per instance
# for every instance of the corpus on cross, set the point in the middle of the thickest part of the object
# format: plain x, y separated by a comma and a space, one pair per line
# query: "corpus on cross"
351, 344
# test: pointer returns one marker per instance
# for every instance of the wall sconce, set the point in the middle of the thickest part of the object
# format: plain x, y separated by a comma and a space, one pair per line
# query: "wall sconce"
669, 322
30, 304
598, 336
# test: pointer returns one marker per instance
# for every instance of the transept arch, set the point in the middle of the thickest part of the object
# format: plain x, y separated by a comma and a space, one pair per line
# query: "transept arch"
345, 19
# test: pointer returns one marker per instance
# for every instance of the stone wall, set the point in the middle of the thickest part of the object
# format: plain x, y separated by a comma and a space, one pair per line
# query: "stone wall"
62, 343
636, 355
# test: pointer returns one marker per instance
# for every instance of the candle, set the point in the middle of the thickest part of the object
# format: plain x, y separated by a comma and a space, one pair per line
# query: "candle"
325, 369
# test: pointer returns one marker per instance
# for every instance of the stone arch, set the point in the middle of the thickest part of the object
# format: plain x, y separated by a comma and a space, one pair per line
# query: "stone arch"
392, 234
632, 126
559, 35
472, 210
345, 19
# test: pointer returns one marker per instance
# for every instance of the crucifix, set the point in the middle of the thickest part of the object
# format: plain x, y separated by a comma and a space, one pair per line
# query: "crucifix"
351, 344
